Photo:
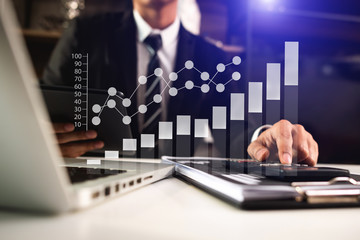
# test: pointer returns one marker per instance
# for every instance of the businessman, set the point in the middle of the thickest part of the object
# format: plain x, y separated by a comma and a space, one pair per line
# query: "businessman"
124, 46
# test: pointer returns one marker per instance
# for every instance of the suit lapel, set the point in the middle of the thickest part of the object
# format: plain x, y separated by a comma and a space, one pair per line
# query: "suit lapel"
124, 47
185, 51
185, 48
124, 55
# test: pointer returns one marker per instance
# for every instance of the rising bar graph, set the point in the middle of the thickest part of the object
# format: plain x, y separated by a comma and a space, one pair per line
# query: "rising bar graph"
165, 139
255, 97
273, 92
291, 81
237, 125
224, 133
255, 107
129, 144
219, 126
183, 136
147, 145
202, 137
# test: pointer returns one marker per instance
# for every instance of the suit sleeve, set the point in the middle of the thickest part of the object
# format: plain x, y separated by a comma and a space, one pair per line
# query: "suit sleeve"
59, 70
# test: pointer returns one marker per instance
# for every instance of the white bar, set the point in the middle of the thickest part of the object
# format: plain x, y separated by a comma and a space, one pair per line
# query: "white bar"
147, 140
255, 97
237, 106
201, 128
111, 154
165, 130
219, 118
183, 125
93, 161
291, 63
129, 144
273, 81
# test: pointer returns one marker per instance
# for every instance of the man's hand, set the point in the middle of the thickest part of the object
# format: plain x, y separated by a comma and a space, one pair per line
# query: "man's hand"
69, 143
285, 141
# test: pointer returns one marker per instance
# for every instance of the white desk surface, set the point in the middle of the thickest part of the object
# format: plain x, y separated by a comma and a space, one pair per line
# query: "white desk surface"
172, 209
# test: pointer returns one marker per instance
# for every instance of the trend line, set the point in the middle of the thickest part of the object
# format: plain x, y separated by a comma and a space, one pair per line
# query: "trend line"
173, 76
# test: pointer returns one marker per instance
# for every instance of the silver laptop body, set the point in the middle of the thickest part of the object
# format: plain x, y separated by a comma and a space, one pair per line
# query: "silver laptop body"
32, 175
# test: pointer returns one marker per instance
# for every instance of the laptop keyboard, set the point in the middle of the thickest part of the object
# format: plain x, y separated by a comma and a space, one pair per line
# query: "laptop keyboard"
78, 174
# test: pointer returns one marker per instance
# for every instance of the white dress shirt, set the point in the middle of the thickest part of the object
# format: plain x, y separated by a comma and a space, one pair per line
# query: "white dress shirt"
166, 54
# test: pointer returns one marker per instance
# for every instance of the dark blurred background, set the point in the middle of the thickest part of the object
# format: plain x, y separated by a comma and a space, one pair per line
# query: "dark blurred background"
328, 32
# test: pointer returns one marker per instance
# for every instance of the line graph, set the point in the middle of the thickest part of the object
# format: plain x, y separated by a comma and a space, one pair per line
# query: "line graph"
266, 100
172, 91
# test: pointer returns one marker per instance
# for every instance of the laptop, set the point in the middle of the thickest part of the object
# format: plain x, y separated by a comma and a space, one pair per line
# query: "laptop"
33, 176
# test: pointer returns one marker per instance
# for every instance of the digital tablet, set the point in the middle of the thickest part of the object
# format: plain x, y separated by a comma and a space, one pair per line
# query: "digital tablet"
250, 184
61, 105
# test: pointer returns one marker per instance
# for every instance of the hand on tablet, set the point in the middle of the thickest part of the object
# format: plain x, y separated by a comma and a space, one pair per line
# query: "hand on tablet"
285, 141
70, 141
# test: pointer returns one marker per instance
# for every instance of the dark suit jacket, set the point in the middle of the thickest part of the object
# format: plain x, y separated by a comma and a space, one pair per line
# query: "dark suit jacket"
110, 41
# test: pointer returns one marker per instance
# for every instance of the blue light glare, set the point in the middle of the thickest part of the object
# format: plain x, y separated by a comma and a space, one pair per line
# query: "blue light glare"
268, 5
268, 1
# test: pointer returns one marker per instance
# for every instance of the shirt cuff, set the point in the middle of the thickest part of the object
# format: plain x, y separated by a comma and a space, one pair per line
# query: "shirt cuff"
259, 130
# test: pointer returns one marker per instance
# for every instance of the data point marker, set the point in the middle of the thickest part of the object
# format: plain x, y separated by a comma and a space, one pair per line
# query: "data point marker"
205, 88
220, 67
236, 76
205, 76
189, 64
126, 120
112, 91
189, 85
220, 87
157, 98
96, 121
126, 102
173, 92
142, 108
236, 60
158, 72
142, 80
96, 108
173, 76
111, 103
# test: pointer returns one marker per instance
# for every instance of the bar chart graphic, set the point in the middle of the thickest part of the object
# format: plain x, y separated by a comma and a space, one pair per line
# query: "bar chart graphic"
224, 133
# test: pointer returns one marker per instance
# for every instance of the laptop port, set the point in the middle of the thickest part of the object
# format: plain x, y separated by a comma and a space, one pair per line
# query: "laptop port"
117, 188
107, 191
138, 180
131, 183
95, 195
148, 177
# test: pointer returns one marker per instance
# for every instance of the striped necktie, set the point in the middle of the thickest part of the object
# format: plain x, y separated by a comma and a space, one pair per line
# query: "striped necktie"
153, 114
